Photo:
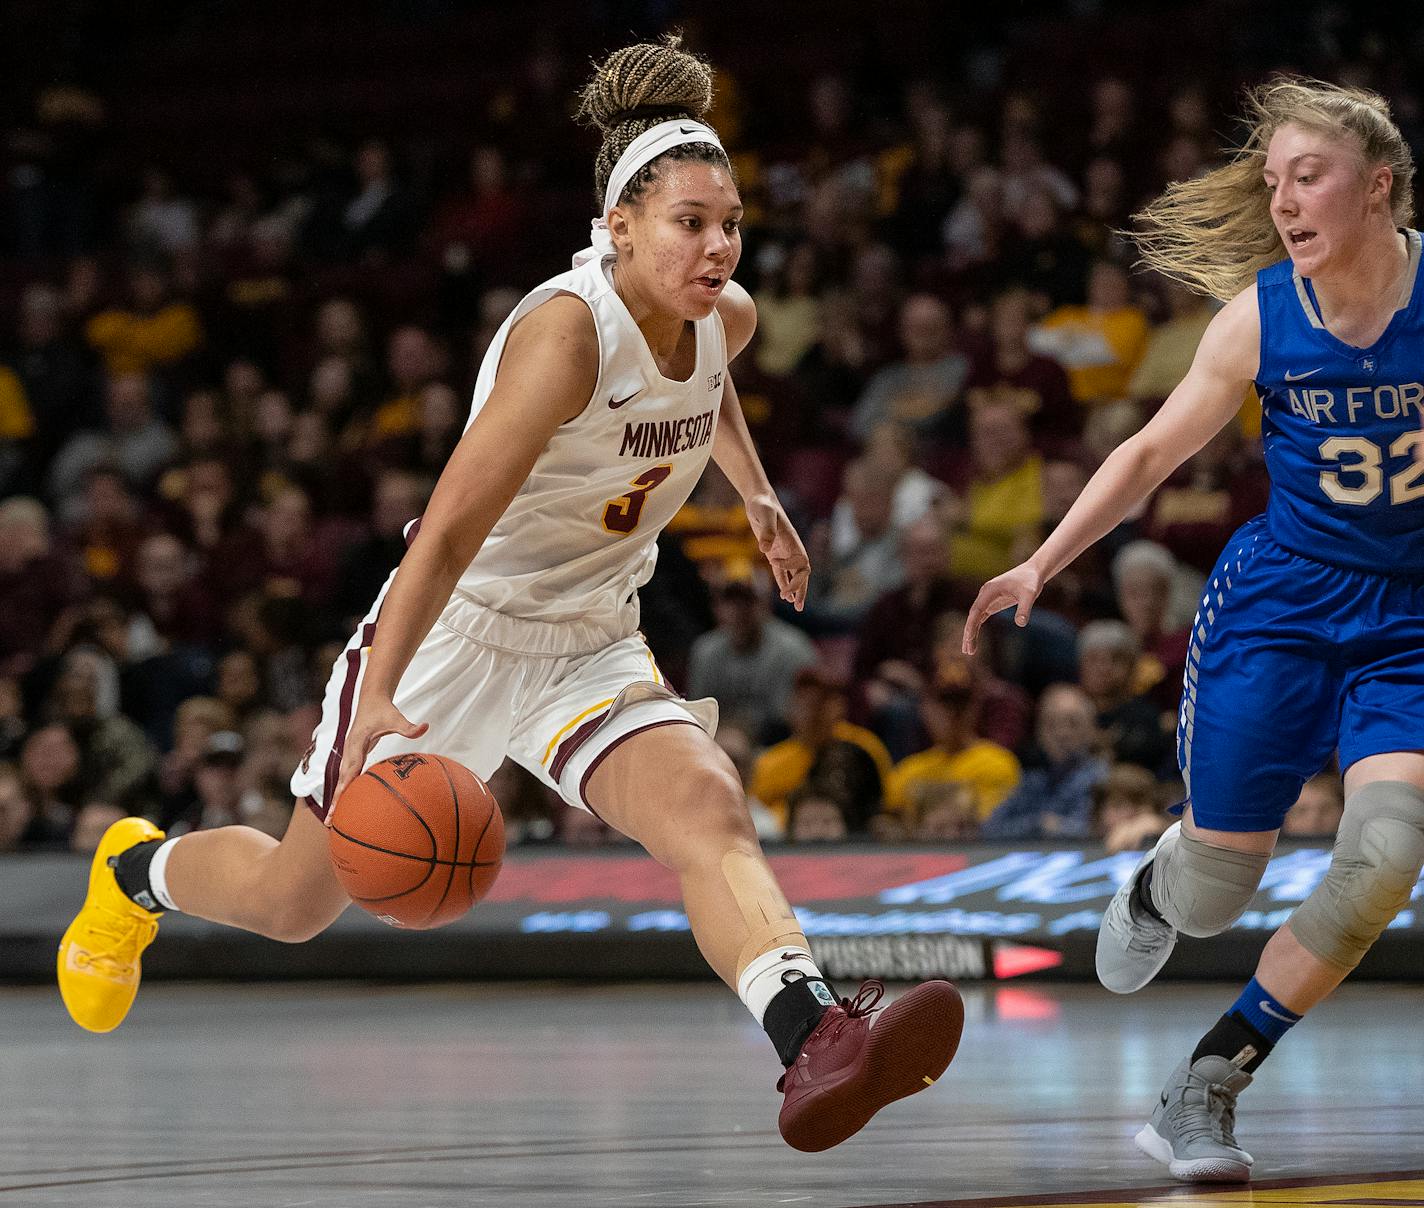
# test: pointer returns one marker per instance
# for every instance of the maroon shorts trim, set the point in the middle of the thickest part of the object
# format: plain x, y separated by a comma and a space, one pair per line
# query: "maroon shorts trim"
618, 742
573, 742
343, 717
315, 806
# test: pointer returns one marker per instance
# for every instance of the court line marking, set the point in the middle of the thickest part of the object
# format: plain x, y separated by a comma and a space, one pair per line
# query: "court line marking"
576, 1150
1175, 1191
964, 1131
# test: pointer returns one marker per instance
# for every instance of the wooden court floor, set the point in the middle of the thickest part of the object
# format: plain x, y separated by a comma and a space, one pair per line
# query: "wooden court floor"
522, 1095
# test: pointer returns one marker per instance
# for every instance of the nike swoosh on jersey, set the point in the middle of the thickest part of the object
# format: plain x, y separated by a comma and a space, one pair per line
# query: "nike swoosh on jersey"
1296, 377
615, 403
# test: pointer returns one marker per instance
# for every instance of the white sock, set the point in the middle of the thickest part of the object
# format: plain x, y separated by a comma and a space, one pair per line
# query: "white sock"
157, 868
761, 980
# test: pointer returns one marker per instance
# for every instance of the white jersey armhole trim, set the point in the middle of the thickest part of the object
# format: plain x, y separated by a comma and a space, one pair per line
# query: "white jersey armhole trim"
724, 359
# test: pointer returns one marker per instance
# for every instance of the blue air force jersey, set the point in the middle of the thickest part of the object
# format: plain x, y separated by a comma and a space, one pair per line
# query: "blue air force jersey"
1340, 426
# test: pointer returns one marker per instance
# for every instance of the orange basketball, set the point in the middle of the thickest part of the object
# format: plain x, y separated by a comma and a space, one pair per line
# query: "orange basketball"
417, 840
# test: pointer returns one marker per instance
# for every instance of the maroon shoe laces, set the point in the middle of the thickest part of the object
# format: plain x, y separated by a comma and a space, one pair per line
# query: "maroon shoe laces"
866, 999
865, 1003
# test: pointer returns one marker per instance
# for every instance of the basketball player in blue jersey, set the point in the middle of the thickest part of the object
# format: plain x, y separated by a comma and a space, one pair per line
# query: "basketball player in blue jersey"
1310, 630
510, 627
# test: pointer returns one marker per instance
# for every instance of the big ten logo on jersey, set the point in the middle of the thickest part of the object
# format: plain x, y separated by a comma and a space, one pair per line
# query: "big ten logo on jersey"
714, 381
404, 765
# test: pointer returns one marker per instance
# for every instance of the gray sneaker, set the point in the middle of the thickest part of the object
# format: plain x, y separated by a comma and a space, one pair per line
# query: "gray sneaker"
1191, 1130
1133, 948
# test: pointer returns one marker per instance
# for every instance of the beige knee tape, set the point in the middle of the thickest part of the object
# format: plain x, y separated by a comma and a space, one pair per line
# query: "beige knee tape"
1379, 850
1201, 889
769, 919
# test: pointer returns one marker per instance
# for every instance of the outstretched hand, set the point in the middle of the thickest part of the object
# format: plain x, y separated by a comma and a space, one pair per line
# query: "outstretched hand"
374, 720
781, 547
1017, 588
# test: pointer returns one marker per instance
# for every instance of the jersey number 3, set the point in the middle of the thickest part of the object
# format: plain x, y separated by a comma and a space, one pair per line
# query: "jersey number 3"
1365, 462
621, 515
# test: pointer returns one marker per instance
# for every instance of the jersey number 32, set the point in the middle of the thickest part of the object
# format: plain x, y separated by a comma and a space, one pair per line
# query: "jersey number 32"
1362, 460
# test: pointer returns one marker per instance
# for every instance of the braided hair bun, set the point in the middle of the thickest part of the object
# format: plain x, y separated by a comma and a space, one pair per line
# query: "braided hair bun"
636, 88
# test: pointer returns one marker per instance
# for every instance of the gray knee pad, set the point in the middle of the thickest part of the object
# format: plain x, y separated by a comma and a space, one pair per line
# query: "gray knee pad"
1379, 851
1200, 889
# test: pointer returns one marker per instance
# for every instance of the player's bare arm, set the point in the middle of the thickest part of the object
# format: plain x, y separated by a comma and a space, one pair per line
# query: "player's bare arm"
737, 457
548, 373
1205, 402
539, 659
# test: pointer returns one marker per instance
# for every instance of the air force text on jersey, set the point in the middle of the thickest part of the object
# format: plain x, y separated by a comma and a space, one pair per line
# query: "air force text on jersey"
1358, 404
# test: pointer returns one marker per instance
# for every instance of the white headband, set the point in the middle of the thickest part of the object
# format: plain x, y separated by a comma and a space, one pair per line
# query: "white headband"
648, 146
642, 150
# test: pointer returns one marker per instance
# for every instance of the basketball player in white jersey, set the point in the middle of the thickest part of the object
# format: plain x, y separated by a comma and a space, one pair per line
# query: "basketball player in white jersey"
510, 627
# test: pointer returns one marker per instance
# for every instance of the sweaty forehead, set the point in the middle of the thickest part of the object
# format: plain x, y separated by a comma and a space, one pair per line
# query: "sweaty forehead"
682, 180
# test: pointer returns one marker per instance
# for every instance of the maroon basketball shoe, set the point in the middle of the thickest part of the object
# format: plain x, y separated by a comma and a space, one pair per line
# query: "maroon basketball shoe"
847, 1070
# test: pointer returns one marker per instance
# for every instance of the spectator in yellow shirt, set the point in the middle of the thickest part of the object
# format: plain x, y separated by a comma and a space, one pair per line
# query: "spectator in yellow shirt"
155, 332
1004, 501
1169, 350
788, 308
950, 713
17, 422
851, 760
715, 531
1100, 344
17, 426
414, 360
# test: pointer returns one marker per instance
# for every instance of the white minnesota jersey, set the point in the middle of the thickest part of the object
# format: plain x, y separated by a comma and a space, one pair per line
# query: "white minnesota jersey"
578, 539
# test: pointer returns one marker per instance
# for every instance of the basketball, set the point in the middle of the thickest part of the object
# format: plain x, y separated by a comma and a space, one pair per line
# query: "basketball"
417, 840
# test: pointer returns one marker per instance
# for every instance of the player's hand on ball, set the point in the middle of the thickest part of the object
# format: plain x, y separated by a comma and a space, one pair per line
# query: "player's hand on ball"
374, 720
1017, 589
782, 548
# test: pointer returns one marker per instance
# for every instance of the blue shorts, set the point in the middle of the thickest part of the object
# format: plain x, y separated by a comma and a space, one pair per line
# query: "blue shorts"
1290, 660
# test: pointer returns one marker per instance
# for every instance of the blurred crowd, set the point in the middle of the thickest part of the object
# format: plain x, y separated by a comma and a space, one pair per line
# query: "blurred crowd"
225, 390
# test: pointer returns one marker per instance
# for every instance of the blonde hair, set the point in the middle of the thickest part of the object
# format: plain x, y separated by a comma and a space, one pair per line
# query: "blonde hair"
1214, 233
635, 89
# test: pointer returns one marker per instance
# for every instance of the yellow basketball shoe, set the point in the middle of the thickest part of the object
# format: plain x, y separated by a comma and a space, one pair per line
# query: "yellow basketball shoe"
99, 954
